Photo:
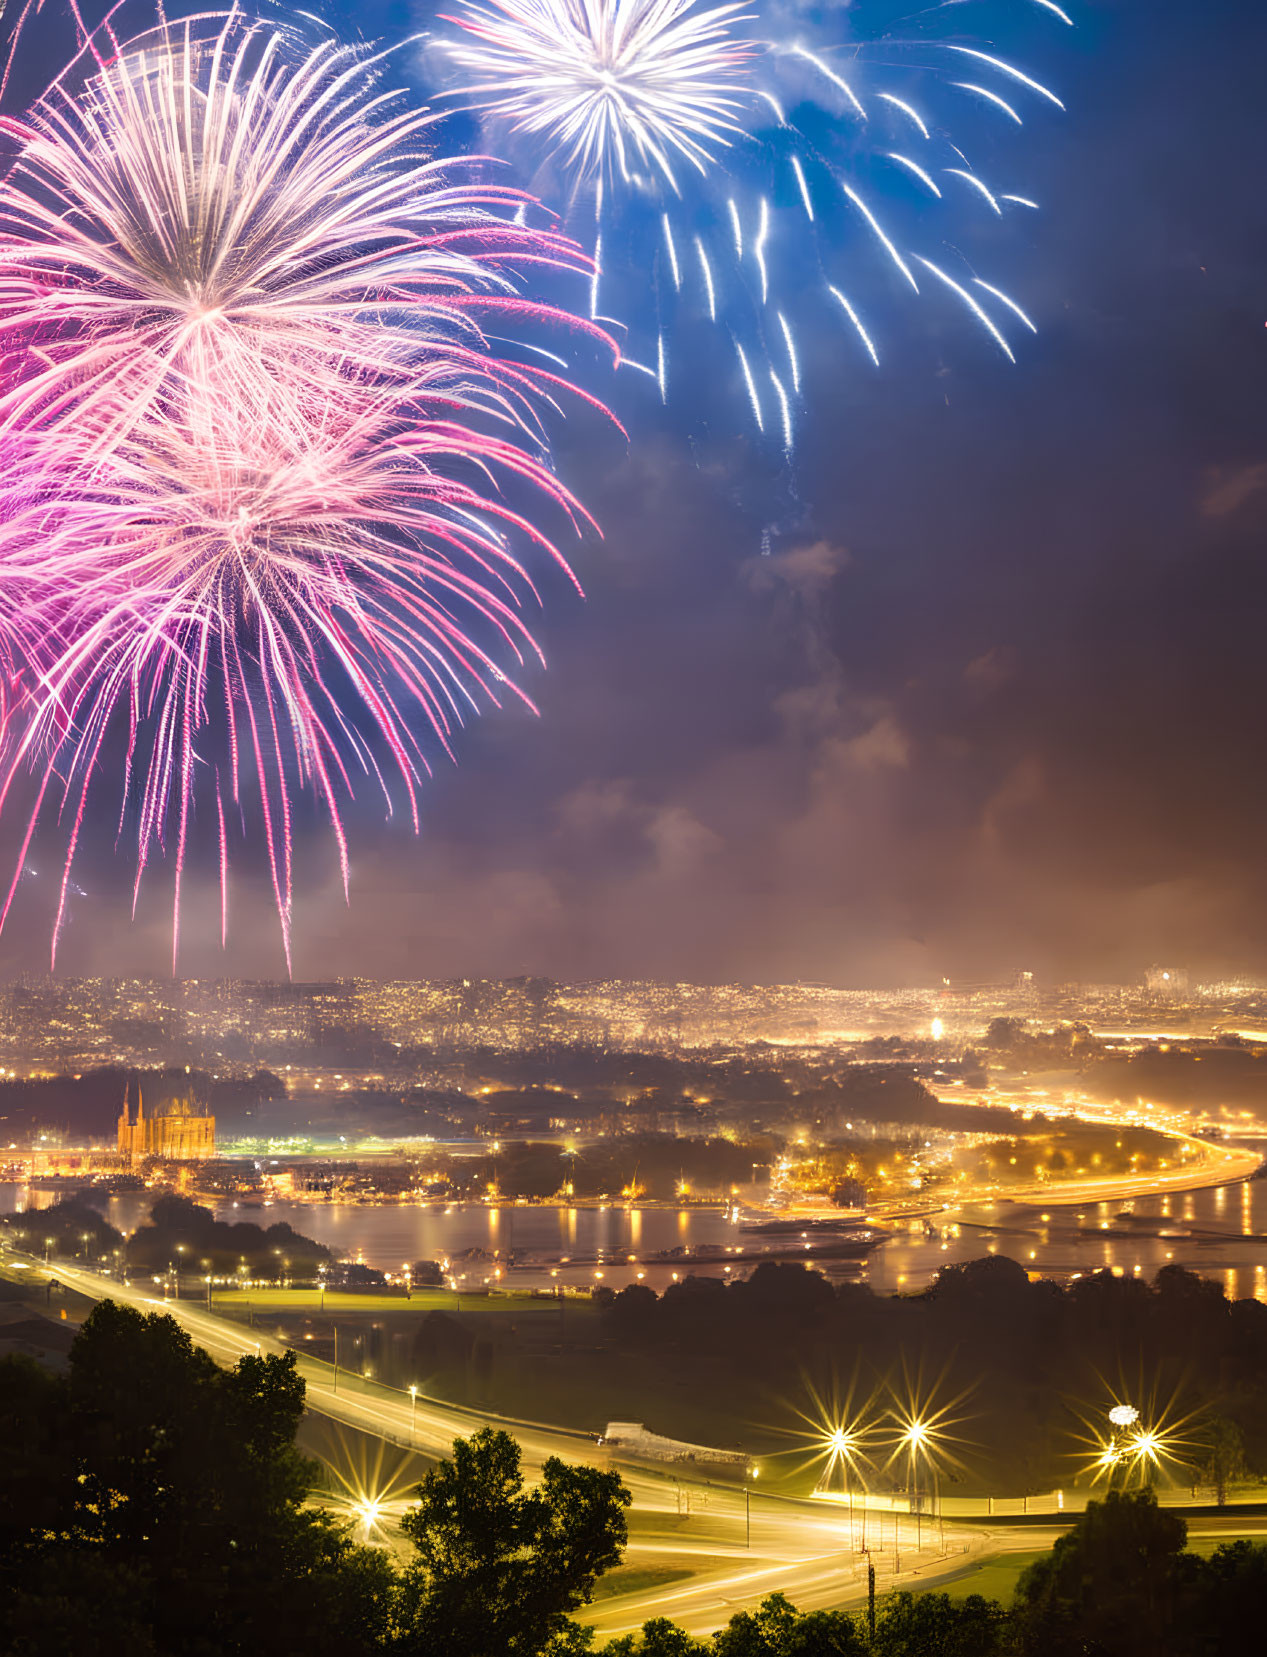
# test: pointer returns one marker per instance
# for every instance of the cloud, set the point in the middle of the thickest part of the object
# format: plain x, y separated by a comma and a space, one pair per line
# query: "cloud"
1227, 489
808, 569
991, 670
681, 841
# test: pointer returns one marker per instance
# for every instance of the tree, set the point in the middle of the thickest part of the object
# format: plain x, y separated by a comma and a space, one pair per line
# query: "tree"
1224, 1602
934, 1625
1110, 1582
1224, 1445
778, 1629
156, 1504
498, 1567
659, 1638
1003, 1034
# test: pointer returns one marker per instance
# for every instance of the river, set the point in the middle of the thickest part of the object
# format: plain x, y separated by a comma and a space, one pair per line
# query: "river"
1220, 1232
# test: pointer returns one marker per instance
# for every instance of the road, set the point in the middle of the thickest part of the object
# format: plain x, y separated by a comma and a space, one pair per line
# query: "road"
800, 1548
1217, 1165
736, 1548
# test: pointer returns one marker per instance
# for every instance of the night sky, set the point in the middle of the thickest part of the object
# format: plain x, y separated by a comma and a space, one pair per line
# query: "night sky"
994, 698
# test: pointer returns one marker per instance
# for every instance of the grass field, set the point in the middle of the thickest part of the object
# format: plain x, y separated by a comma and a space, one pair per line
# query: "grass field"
992, 1578
634, 1579
421, 1300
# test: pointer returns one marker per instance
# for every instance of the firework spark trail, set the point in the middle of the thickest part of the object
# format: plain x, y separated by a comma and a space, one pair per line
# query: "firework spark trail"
279, 225
678, 112
267, 518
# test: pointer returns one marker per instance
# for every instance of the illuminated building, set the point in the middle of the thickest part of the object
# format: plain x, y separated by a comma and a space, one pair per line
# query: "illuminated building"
175, 1132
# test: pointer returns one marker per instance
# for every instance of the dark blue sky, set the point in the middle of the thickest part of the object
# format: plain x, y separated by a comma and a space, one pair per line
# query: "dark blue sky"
995, 698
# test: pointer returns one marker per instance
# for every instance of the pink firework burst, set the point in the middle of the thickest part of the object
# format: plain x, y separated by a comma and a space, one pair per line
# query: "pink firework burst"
266, 524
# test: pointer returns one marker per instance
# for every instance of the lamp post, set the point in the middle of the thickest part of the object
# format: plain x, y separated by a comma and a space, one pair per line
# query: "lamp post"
843, 1444
413, 1414
916, 1439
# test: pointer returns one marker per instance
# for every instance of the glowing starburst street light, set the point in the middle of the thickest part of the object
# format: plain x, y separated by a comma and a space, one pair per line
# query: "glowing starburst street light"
1148, 1448
1140, 1444
833, 1440
370, 1486
843, 1447
917, 1436
917, 1440
925, 1436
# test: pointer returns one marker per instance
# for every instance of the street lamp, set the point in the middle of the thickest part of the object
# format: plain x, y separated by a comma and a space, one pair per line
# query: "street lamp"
843, 1447
413, 1413
916, 1440
368, 1510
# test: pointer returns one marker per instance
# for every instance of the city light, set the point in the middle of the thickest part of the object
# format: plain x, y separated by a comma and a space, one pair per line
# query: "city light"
1128, 1445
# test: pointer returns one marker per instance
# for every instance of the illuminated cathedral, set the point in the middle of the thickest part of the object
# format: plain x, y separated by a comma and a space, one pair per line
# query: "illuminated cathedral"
175, 1132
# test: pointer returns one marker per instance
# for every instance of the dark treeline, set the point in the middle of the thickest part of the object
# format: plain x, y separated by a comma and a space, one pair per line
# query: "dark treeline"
180, 1235
1209, 1074
1028, 1362
1224, 1071
659, 1166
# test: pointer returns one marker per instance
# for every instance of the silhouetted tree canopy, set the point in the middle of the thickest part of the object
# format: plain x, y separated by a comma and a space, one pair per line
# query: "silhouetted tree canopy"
151, 1501
499, 1567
